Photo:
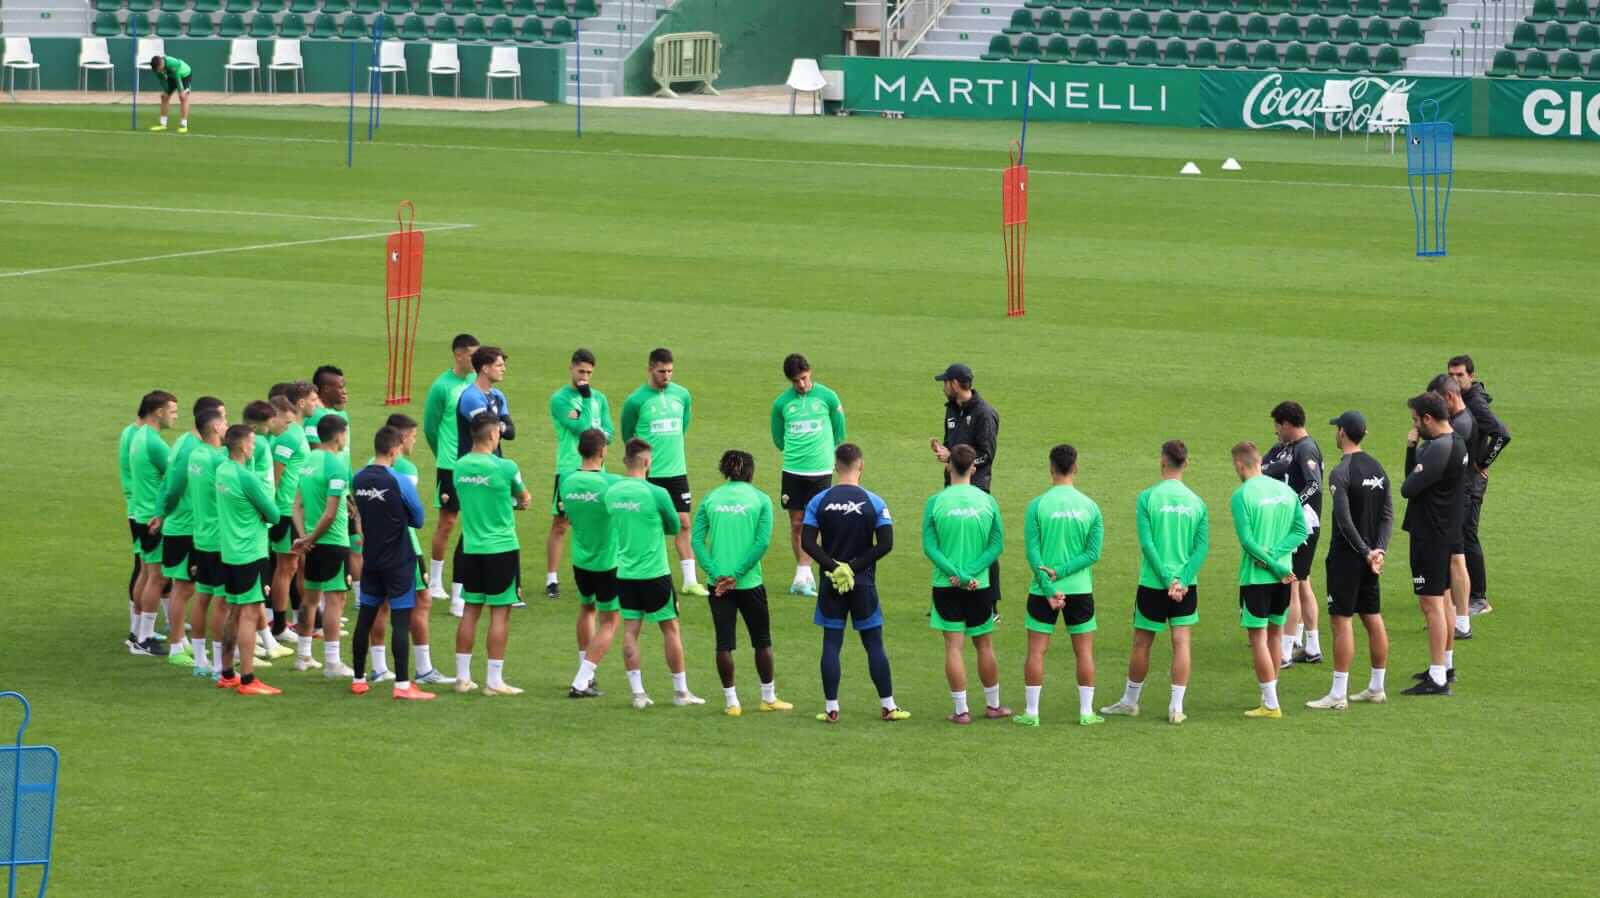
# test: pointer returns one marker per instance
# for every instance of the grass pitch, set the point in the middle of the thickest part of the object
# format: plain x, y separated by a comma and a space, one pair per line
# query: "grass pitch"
1158, 307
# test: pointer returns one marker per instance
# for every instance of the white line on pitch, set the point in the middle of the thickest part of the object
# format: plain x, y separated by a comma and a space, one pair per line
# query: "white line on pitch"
245, 212
214, 252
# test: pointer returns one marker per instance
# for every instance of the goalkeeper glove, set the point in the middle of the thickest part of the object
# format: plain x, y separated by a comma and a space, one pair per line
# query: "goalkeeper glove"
842, 577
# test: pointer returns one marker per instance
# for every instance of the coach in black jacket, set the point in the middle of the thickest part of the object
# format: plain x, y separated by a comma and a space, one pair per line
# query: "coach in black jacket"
969, 420
1489, 437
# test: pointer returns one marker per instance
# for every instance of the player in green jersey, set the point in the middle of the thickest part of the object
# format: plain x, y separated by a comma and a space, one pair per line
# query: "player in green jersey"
1174, 537
244, 512
1063, 533
438, 428
807, 425
574, 408
268, 422
641, 513
147, 469
334, 396
153, 400
290, 451
582, 495
324, 490
1270, 526
962, 535
659, 413
197, 481
492, 492
176, 78
732, 529
176, 524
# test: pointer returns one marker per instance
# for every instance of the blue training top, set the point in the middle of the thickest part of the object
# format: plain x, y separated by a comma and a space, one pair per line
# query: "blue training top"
847, 519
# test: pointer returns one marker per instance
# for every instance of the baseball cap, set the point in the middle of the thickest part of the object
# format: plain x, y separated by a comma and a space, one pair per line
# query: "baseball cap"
956, 372
1354, 424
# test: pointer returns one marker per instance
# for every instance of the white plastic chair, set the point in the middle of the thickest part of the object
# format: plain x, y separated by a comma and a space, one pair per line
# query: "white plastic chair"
286, 57
444, 59
1335, 99
805, 77
243, 56
94, 55
19, 58
504, 63
1393, 113
391, 61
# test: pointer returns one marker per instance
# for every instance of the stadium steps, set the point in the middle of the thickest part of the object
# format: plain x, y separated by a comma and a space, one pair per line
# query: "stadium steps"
1433, 56
44, 18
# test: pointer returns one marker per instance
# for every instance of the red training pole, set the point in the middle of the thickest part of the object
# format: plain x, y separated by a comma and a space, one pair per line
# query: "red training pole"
1014, 230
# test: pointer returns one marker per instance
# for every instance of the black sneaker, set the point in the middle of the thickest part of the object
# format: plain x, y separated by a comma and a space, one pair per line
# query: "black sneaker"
151, 647
1311, 659
1463, 634
1449, 676
1479, 605
1428, 687
586, 692
552, 590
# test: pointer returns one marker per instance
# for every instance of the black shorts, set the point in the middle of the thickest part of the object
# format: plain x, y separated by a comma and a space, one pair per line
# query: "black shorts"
677, 488
170, 86
1352, 587
444, 482
971, 610
284, 528
1261, 604
327, 564
596, 587
1430, 567
148, 542
556, 508
247, 583
208, 573
752, 604
1304, 555
859, 605
177, 554
1155, 611
798, 489
651, 600
1077, 614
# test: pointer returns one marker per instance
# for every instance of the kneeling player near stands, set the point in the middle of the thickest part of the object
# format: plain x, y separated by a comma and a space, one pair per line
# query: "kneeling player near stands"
732, 529
176, 78
962, 536
244, 511
490, 491
1063, 532
326, 545
847, 529
176, 526
581, 498
1363, 518
390, 508
197, 481
643, 515
1174, 537
1270, 525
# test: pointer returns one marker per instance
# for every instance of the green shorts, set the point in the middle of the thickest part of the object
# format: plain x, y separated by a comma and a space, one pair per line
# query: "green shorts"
422, 578
1077, 614
1154, 610
959, 611
248, 583
597, 588
494, 580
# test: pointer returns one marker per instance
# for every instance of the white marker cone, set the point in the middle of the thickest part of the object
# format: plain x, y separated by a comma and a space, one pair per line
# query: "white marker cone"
1189, 168
1232, 164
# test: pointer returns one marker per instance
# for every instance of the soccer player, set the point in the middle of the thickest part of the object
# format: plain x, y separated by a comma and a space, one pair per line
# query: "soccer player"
641, 514
1363, 519
848, 530
195, 482
125, 474
244, 512
483, 397
732, 530
1465, 427
1490, 436
1435, 490
176, 78
491, 491
574, 408
1270, 525
807, 425
148, 456
267, 422
969, 419
1297, 461
291, 450
1174, 537
333, 396
390, 509
659, 413
436, 412
581, 497
324, 483
1063, 532
962, 535
176, 525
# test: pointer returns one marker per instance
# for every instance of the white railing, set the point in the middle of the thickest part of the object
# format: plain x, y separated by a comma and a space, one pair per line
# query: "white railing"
906, 22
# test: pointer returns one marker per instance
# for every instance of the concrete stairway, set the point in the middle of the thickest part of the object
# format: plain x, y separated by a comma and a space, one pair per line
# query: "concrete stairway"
1432, 56
44, 18
605, 42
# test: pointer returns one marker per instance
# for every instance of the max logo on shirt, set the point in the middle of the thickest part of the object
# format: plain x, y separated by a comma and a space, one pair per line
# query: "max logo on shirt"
845, 507
371, 493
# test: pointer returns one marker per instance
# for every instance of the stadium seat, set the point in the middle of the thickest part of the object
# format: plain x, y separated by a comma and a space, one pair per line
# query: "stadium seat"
1523, 37
139, 21
1574, 12
1307, 7
1095, 5
200, 25
1504, 65
1079, 23
1317, 31
270, 7
1336, 8
473, 28
324, 27
1367, 9
107, 5
460, 7
1036, 4
1186, 5
169, 25
444, 29
1205, 54
352, 27
1027, 49
1108, 24
1216, 6
430, 7
1586, 38
1326, 58
1536, 65
1396, 9
261, 25
561, 32
1057, 49
1087, 49
397, 7
585, 9
335, 7
1168, 25
1408, 34
1265, 56
303, 7
413, 28
553, 8
383, 24
1378, 33
1555, 37
1236, 56
231, 26
173, 5
1429, 9
1388, 60
141, 5
1246, 7
532, 32
1176, 53
1226, 28
1136, 25
491, 8
240, 6
1275, 7
1295, 57
1542, 11
1285, 31
1114, 52
1146, 52
292, 26
1592, 73
502, 29
1568, 65
1356, 59
1021, 23
1197, 27
367, 7
1257, 28
523, 8
1050, 22
1125, 5
1347, 31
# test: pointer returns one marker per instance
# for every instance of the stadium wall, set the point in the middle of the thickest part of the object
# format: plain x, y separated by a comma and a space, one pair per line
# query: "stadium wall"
1204, 98
759, 39
327, 67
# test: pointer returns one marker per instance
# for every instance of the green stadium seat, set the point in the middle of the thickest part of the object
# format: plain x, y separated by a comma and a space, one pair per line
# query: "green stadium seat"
261, 25
1226, 28
1021, 22
1347, 31
1246, 7
1318, 31
1523, 37
1367, 9
1396, 9
585, 9
303, 7
1265, 56
1295, 57
1286, 30
1137, 25
1536, 65
502, 29
1326, 58
1186, 6
1057, 49
1408, 34
240, 6
231, 25
1125, 5
1114, 51
561, 32
1542, 11
1216, 6
1335, 8
523, 8
444, 29
107, 5
473, 28
430, 7
1307, 7
413, 28
1504, 65
1036, 4
1275, 7
1568, 65
352, 27
173, 5
1108, 24
1257, 28
397, 7
335, 7
211, 6
1027, 49
1079, 23
1356, 59
137, 23
1198, 27
1168, 26
200, 25
1086, 50
1236, 56
1205, 54
169, 25
1378, 33
1586, 38
1429, 9
1592, 73
1554, 37
1388, 60
1574, 11
292, 25
105, 25
1176, 53
384, 24
324, 27
532, 31
491, 8
553, 8
270, 7
1050, 22
1095, 5
1146, 52
367, 7
141, 5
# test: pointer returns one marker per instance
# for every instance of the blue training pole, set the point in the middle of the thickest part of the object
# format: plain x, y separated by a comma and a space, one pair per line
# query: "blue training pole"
577, 47
1027, 104
133, 53
350, 134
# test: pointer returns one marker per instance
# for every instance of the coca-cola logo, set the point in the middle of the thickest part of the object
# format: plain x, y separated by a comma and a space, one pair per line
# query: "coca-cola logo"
1271, 105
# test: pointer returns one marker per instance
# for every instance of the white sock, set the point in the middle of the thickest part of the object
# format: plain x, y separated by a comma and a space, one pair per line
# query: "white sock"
1085, 701
1287, 647
455, 594
401, 685
303, 646
1449, 658
887, 702
422, 658
730, 696
832, 704
163, 120
1436, 673
268, 640
1130, 693
802, 573
688, 571
550, 577
769, 691
216, 654
1030, 700
496, 669
636, 682
147, 625
583, 655
1341, 684
1464, 623
585, 674
1300, 634
1376, 683
1176, 702
1313, 643
380, 660
463, 668
680, 682
436, 575
330, 652
991, 696
1269, 694
960, 698
133, 618
183, 123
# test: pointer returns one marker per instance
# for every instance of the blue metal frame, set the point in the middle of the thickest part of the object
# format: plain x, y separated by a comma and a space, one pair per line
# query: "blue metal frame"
1430, 173
40, 795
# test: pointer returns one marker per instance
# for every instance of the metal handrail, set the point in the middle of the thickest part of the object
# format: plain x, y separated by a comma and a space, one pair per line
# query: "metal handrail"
908, 23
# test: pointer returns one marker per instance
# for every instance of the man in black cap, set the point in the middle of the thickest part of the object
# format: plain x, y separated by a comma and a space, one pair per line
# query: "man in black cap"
968, 420
1489, 436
